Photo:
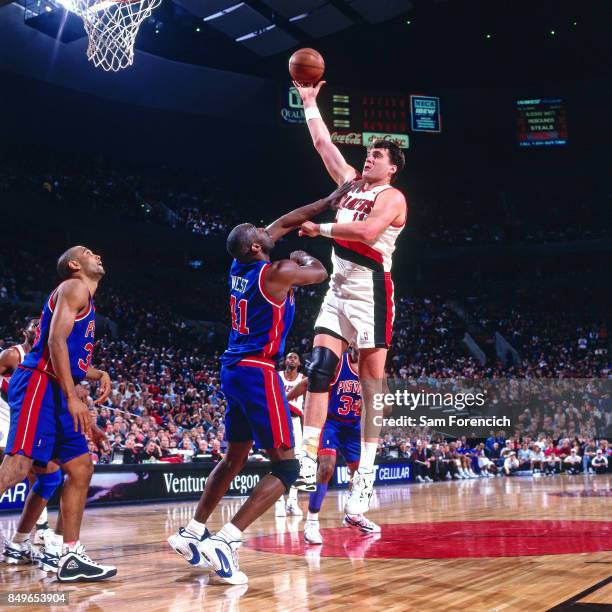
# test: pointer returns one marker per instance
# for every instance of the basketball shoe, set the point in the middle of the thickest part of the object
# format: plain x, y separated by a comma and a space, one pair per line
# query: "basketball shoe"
188, 545
75, 566
293, 508
223, 556
307, 480
17, 553
312, 535
279, 508
358, 501
361, 522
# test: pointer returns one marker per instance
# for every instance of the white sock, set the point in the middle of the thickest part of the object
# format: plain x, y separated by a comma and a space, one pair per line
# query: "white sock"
229, 532
42, 519
312, 516
20, 538
310, 440
66, 548
368, 455
293, 495
196, 528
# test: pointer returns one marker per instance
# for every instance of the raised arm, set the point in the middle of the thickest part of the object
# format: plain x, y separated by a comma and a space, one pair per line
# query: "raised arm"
292, 220
390, 209
335, 163
299, 270
72, 298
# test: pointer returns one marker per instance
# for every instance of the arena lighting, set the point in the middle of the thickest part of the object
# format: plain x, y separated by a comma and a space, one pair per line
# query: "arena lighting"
226, 11
299, 17
255, 33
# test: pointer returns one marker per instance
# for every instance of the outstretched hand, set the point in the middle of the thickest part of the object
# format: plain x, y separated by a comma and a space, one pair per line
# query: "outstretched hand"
309, 93
334, 198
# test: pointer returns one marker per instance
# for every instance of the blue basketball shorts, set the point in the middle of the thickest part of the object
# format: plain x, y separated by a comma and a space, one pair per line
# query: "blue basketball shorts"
343, 436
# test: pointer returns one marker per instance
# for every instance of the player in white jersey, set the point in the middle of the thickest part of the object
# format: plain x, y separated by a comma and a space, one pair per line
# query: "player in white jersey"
359, 304
291, 377
10, 359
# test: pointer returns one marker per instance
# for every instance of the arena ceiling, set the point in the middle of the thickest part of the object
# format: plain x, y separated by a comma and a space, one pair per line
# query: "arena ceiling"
378, 43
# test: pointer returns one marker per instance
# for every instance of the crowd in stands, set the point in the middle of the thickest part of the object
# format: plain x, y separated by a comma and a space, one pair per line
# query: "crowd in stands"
434, 458
201, 206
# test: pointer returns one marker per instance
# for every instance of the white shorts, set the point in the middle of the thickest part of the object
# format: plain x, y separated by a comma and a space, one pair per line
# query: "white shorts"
5, 421
359, 307
297, 432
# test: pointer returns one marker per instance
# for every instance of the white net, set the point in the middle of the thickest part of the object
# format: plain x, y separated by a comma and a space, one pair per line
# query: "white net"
112, 26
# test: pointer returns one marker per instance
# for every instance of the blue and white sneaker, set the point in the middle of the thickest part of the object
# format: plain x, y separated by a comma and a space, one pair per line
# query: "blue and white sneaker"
223, 556
76, 566
360, 522
17, 553
48, 558
188, 545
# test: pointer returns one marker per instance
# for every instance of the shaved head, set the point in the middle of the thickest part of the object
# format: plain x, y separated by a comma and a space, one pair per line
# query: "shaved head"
63, 267
243, 237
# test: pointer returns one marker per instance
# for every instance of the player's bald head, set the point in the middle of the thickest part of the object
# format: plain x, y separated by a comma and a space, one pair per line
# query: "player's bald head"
63, 263
242, 238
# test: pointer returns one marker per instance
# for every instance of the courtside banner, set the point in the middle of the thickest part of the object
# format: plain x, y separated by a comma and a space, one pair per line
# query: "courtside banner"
168, 481
384, 474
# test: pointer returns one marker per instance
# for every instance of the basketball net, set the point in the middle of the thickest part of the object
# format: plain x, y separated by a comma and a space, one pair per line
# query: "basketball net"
112, 26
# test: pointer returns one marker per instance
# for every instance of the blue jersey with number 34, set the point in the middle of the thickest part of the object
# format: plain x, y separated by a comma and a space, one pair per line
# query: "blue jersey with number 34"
259, 324
345, 393
80, 341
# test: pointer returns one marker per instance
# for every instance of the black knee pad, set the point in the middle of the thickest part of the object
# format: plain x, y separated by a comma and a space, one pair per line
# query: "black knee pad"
321, 369
286, 471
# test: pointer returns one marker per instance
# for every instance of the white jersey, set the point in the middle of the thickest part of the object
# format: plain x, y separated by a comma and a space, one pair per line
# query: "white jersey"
5, 411
297, 405
351, 255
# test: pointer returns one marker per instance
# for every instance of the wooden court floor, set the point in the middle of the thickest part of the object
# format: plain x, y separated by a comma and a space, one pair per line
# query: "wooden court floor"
486, 537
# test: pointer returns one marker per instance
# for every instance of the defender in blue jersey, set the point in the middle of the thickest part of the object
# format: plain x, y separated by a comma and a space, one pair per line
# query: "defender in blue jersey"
262, 308
48, 419
341, 432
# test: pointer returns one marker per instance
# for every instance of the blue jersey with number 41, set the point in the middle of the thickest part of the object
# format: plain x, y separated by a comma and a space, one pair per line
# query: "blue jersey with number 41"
259, 323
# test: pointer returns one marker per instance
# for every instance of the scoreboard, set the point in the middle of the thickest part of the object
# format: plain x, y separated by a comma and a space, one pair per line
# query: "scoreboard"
358, 118
541, 122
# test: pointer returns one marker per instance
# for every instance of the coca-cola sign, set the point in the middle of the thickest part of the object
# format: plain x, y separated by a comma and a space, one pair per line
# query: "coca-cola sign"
401, 140
347, 138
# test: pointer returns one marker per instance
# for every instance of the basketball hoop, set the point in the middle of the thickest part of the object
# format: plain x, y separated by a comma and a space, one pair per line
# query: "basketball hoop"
112, 26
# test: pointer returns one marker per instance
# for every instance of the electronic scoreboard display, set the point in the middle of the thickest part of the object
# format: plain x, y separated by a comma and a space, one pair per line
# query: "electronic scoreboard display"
358, 118
541, 122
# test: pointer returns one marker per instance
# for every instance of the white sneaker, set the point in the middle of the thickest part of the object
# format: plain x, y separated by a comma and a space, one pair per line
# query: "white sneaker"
293, 508
17, 553
307, 480
419, 479
223, 556
428, 479
187, 545
279, 508
361, 522
358, 501
312, 535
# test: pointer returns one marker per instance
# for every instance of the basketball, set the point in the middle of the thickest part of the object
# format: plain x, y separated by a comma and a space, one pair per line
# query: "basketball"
306, 66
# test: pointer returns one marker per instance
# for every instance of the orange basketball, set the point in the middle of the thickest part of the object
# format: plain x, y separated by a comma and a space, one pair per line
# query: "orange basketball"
306, 66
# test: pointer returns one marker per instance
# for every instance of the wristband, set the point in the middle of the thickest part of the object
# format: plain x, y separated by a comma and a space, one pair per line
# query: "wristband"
325, 229
312, 112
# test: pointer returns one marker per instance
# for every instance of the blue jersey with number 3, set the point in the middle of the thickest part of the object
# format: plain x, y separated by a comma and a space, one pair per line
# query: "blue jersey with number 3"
345, 393
80, 341
259, 324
